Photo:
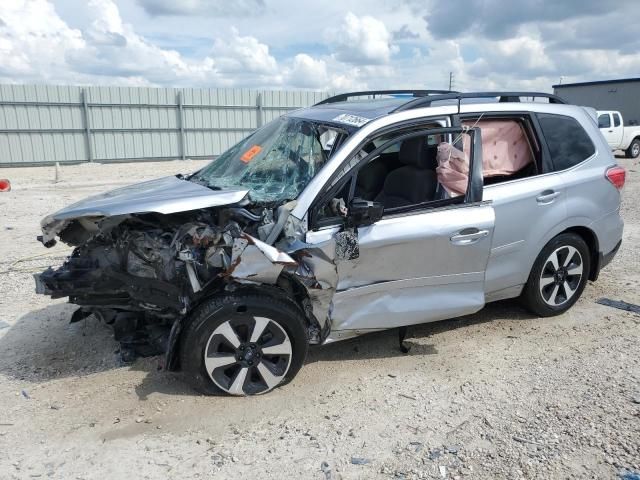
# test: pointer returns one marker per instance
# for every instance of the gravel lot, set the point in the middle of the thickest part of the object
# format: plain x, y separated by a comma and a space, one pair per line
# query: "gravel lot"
499, 394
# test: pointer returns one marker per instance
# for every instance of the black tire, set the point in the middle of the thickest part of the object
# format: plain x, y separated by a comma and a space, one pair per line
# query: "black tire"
634, 149
238, 310
537, 287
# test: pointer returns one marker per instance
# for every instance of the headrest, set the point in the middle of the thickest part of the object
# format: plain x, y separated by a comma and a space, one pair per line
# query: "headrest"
432, 157
372, 175
415, 152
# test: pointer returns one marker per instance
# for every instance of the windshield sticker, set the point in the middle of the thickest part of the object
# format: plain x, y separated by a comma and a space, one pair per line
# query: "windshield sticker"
249, 154
349, 119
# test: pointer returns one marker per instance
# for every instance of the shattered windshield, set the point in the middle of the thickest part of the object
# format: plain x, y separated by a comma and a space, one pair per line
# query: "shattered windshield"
275, 163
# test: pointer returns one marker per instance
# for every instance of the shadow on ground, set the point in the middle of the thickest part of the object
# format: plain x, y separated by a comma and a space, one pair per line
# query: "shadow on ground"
386, 344
44, 346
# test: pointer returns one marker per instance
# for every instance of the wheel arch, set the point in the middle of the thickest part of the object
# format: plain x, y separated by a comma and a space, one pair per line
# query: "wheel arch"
587, 234
591, 240
287, 288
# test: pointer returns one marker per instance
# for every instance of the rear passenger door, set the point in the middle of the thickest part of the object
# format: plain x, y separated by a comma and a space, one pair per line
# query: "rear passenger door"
525, 209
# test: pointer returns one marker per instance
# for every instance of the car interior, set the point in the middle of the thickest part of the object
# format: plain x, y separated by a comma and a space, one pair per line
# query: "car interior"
416, 172
420, 170
401, 178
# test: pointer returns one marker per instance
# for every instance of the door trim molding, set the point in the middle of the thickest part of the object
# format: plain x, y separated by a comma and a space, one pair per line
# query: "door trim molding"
467, 277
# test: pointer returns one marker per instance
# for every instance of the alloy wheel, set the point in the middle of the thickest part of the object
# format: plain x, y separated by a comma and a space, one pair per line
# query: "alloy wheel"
561, 276
248, 355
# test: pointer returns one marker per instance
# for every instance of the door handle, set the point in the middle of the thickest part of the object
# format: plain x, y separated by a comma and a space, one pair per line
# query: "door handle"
468, 236
548, 196
610, 131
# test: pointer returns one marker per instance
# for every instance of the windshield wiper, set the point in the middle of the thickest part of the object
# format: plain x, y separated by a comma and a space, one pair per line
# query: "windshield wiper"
201, 181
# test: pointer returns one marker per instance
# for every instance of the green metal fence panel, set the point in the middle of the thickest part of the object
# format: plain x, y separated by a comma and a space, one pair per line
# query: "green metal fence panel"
44, 124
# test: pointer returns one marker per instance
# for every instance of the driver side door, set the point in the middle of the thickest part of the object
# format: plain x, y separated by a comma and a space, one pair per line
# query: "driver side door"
418, 263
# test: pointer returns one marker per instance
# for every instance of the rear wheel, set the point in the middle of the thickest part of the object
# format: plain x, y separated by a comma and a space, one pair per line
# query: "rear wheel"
634, 149
243, 344
558, 276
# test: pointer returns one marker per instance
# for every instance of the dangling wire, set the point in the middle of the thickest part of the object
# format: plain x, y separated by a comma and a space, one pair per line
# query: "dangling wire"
465, 129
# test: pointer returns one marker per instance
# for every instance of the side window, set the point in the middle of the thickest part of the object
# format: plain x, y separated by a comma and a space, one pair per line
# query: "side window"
604, 120
418, 172
616, 120
414, 171
510, 149
568, 143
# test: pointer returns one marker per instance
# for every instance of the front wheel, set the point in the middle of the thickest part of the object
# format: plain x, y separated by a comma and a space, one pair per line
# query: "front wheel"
243, 344
634, 149
558, 276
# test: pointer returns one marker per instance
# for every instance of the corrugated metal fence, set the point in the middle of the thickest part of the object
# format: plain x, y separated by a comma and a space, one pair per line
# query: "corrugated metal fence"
42, 124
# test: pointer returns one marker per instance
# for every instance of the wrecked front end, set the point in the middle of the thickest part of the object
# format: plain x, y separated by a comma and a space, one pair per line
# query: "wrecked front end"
143, 273
148, 254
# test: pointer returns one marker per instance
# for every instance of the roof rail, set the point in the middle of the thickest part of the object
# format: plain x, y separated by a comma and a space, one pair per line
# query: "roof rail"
502, 97
342, 97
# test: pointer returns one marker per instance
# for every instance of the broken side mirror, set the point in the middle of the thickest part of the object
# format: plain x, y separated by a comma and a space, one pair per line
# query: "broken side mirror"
364, 212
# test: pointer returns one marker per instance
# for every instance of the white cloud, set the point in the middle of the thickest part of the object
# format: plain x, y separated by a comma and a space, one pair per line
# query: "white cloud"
331, 46
33, 39
323, 74
113, 49
37, 45
308, 72
361, 40
235, 54
513, 57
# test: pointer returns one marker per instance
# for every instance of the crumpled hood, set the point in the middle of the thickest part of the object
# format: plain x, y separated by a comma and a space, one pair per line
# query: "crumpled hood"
164, 195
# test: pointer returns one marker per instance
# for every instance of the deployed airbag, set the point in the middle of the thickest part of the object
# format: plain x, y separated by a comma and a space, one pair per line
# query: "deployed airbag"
505, 151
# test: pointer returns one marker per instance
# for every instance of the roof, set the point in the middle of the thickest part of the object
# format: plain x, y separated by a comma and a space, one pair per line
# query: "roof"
599, 82
351, 115
366, 109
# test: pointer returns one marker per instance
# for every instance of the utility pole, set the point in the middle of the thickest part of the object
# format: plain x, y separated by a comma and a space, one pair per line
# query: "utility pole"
450, 80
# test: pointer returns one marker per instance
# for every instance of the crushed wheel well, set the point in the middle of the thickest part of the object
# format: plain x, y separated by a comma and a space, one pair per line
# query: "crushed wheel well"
287, 289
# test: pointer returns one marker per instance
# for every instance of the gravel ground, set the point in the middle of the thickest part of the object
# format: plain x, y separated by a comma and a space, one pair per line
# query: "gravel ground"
498, 394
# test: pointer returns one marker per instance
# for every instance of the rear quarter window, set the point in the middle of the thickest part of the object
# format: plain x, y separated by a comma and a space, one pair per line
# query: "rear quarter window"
568, 143
616, 120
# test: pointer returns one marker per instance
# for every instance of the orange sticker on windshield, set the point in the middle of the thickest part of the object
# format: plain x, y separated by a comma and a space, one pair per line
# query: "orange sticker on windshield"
249, 154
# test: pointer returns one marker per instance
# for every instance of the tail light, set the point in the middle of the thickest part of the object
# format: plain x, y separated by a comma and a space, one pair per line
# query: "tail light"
616, 175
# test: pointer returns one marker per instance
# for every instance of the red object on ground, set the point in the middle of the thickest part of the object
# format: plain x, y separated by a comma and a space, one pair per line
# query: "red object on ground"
5, 185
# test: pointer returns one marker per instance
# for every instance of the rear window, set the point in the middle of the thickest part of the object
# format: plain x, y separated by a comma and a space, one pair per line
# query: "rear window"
616, 120
568, 143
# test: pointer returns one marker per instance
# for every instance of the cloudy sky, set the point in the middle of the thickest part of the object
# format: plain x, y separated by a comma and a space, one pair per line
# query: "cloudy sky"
331, 45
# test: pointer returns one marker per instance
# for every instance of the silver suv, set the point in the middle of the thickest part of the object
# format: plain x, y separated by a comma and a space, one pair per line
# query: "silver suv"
365, 212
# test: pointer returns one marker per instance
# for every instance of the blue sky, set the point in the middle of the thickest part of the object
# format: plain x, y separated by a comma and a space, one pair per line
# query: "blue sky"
342, 45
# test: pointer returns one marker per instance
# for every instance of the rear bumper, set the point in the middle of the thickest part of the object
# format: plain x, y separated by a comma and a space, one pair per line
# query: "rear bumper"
605, 259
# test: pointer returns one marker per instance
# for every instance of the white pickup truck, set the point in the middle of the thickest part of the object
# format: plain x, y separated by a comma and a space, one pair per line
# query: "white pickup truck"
618, 136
